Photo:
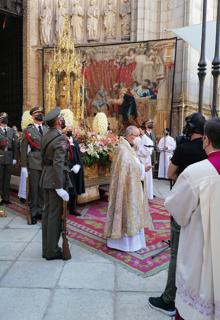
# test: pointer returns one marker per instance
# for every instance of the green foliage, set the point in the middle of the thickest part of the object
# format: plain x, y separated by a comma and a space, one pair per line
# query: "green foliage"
104, 159
89, 160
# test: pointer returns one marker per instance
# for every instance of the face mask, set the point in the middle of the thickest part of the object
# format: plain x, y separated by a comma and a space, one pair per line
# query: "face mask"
38, 117
69, 133
62, 124
4, 121
135, 141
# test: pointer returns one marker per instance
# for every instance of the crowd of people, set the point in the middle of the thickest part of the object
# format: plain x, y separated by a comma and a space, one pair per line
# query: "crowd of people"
51, 160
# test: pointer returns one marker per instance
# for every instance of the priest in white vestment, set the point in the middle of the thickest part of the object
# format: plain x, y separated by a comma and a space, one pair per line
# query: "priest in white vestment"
195, 205
144, 147
128, 211
166, 147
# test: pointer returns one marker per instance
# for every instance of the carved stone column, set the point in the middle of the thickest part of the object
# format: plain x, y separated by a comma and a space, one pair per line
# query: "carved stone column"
26, 54
31, 57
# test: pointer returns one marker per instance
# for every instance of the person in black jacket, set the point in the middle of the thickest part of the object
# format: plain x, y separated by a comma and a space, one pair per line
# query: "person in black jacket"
185, 154
76, 173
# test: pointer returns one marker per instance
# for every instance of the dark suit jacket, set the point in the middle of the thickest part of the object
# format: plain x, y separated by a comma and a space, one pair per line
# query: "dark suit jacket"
77, 180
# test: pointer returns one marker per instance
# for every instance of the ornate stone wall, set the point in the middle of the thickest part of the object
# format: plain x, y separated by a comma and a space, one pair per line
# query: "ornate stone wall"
13, 6
107, 21
91, 20
31, 56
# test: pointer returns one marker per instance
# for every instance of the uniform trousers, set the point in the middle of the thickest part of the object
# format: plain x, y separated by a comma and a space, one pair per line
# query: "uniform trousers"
5, 178
51, 223
35, 193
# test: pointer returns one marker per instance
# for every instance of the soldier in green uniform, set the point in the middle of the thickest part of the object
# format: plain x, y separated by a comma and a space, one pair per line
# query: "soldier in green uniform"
31, 161
54, 181
8, 155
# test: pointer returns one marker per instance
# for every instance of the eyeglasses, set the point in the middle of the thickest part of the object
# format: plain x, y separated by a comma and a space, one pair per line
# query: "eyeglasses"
135, 135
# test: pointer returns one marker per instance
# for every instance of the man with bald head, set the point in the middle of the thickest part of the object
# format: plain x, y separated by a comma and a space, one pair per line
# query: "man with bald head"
128, 211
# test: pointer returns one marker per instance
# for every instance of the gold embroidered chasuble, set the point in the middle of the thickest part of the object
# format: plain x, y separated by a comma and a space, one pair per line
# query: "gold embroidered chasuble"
127, 207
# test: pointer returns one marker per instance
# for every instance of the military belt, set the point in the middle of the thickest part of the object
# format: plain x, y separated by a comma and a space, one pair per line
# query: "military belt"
49, 163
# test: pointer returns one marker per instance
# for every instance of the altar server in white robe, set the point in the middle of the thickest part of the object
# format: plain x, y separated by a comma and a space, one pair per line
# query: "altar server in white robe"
144, 147
195, 205
128, 211
166, 147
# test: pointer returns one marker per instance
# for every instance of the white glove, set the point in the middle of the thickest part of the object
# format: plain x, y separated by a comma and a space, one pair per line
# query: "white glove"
24, 171
63, 194
14, 162
76, 168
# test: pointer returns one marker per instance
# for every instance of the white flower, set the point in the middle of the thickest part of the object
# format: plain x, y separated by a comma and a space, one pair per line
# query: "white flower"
26, 119
67, 114
100, 124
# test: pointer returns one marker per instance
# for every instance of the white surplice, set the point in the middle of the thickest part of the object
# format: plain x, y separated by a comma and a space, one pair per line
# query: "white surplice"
165, 156
195, 205
22, 190
144, 152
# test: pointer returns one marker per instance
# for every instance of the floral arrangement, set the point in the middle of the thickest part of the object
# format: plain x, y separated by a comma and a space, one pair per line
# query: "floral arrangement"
67, 114
100, 123
97, 148
26, 119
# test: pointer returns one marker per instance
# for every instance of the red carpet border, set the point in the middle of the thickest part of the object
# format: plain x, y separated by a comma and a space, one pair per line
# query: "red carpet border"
87, 231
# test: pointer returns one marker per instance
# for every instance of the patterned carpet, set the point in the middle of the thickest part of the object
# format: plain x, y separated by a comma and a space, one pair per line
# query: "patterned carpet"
87, 231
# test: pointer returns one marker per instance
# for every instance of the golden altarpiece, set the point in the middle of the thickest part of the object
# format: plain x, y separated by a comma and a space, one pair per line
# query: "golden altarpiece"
63, 76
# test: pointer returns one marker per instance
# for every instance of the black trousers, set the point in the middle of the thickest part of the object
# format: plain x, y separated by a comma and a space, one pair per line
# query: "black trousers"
72, 203
5, 178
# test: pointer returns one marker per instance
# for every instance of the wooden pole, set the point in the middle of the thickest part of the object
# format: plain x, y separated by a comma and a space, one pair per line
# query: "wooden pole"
216, 65
202, 62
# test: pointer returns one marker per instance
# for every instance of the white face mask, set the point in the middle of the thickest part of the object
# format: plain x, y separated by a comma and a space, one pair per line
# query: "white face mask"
135, 141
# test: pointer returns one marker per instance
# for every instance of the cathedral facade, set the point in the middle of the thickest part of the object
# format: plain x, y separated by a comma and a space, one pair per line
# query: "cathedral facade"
116, 21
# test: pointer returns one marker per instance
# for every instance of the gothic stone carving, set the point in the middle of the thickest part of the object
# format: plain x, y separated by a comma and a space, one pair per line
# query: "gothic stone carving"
77, 16
125, 14
110, 20
45, 24
93, 15
60, 18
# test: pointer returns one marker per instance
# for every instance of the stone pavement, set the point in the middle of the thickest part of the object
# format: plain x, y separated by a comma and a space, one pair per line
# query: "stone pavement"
88, 287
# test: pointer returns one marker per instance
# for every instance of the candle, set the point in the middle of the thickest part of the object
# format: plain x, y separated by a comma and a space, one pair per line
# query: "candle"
165, 124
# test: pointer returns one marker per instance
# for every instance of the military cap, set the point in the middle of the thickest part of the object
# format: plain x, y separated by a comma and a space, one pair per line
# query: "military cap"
149, 121
3, 115
36, 109
53, 114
